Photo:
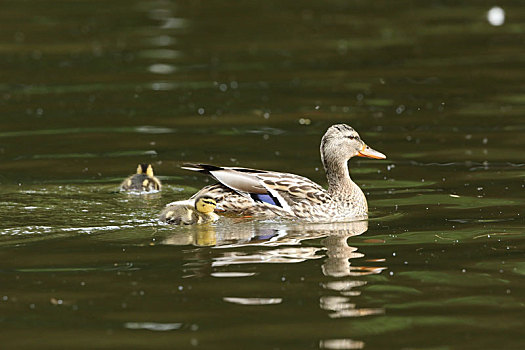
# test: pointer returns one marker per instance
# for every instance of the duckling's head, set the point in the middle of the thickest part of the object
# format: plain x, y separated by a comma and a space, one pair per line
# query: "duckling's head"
205, 204
145, 169
341, 142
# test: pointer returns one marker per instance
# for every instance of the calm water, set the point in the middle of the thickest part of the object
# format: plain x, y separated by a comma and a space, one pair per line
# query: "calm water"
89, 89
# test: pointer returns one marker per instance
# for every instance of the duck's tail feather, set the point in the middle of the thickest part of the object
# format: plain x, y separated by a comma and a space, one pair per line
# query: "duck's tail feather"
201, 168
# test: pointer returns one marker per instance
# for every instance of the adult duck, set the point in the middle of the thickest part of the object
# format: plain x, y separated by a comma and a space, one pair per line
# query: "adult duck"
264, 193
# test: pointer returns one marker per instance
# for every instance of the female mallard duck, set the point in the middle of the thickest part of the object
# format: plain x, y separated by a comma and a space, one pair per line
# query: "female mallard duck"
143, 180
268, 193
190, 212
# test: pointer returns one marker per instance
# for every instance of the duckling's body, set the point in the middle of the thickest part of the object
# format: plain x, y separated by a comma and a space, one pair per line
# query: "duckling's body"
143, 181
189, 212
269, 194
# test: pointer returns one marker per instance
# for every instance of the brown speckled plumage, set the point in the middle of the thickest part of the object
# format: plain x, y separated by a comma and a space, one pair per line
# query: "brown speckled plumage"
249, 191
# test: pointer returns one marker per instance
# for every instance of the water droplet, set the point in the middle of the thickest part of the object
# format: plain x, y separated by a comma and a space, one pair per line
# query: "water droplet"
305, 121
161, 68
496, 16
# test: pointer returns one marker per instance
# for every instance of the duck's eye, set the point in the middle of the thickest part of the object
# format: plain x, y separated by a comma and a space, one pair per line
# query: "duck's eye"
208, 202
351, 137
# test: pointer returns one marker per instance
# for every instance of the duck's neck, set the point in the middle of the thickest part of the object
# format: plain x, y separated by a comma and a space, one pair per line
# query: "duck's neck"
338, 176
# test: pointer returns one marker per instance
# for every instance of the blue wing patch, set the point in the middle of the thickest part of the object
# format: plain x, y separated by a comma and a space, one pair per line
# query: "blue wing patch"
266, 198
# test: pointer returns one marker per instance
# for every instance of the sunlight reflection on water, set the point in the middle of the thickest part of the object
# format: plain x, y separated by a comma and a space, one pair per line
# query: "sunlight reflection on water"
347, 344
153, 326
253, 301
496, 16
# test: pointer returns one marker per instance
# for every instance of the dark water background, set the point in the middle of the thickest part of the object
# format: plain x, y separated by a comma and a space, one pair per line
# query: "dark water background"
91, 88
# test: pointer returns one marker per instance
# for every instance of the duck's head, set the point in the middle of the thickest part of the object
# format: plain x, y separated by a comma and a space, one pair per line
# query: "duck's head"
341, 142
205, 204
145, 169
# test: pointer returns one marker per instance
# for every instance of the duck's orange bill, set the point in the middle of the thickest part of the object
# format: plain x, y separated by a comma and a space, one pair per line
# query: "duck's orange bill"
370, 153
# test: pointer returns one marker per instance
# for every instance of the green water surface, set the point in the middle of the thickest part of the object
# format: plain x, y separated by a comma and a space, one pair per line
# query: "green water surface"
91, 88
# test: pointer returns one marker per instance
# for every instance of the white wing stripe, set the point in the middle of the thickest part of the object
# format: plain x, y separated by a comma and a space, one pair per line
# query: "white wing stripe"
283, 202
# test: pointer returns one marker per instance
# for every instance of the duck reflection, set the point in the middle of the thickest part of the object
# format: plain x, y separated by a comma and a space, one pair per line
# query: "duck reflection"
286, 241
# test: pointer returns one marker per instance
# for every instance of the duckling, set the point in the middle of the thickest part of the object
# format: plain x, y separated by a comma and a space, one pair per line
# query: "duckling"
188, 212
143, 180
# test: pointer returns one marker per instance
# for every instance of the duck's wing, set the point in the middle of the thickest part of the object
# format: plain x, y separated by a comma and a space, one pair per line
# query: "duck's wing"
294, 188
276, 189
241, 180
227, 199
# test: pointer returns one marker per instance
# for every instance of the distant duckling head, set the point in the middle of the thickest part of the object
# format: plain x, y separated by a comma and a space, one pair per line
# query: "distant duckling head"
205, 204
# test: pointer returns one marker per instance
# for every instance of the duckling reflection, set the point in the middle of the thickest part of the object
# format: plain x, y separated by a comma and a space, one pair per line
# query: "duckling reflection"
143, 181
200, 236
189, 213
